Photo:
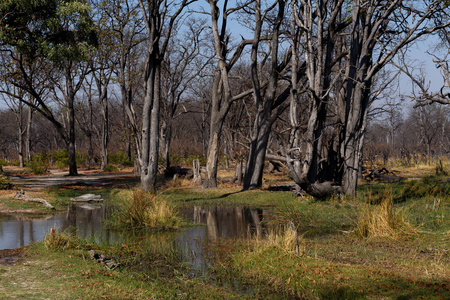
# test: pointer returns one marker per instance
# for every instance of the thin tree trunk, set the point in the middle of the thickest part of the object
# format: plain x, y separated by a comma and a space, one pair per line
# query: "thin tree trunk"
28, 134
105, 130
71, 138
196, 169
20, 143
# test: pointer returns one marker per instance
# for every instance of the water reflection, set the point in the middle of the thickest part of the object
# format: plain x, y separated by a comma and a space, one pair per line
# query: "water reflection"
84, 219
219, 222
225, 222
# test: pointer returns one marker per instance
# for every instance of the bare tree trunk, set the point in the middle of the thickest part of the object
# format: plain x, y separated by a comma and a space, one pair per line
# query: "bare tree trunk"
221, 92
149, 141
89, 132
256, 159
266, 110
70, 143
105, 129
20, 143
238, 172
197, 174
213, 155
167, 141
28, 134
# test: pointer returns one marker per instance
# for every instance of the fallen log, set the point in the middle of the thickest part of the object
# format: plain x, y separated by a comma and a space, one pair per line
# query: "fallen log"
382, 175
21, 196
387, 178
87, 198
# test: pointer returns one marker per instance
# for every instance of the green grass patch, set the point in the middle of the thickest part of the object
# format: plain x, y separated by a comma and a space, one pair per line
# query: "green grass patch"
389, 243
334, 268
233, 196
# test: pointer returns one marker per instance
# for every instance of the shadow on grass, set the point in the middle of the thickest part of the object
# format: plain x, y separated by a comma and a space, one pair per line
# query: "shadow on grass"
207, 199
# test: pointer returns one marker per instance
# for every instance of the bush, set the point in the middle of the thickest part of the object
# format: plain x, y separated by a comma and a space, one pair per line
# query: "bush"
2, 163
110, 168
120, 158
5, 184
191, 158
39, 163
81, 158
60, 158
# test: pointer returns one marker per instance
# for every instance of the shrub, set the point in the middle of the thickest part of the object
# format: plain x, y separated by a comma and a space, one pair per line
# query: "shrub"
2, 163
81, 158
191, 158
39, 163
60, 158
120, 158
110, 168
5, 184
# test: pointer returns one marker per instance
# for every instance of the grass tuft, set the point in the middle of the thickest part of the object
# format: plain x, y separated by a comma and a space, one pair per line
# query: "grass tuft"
62, 241
383, 220
146, 210
284, 238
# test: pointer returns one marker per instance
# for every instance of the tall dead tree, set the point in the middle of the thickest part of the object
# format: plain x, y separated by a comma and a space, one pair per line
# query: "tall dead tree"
126, 25
269, 102
221, 95
374, 32
159, 18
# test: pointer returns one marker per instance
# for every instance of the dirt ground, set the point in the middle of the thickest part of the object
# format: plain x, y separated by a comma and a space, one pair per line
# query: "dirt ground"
87, 179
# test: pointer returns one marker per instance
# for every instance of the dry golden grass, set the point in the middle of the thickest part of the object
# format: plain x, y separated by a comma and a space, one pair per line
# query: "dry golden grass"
145, 210
284, 238
383, 220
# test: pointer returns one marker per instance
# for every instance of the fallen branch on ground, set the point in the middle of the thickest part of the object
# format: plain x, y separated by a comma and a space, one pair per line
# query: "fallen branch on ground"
21, 196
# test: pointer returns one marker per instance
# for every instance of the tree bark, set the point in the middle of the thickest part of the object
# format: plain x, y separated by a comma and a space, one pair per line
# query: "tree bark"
267, 112
28, 134
196, 169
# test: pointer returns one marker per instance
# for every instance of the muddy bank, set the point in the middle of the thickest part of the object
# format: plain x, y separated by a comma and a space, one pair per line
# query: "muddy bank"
28, 211
12, 256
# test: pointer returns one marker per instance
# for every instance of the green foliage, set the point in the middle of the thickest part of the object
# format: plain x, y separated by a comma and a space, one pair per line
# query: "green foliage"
59, 30
81, 158
2, 163
110, 168
120, 158
39, 163
5, 184
60, 158
191, 158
